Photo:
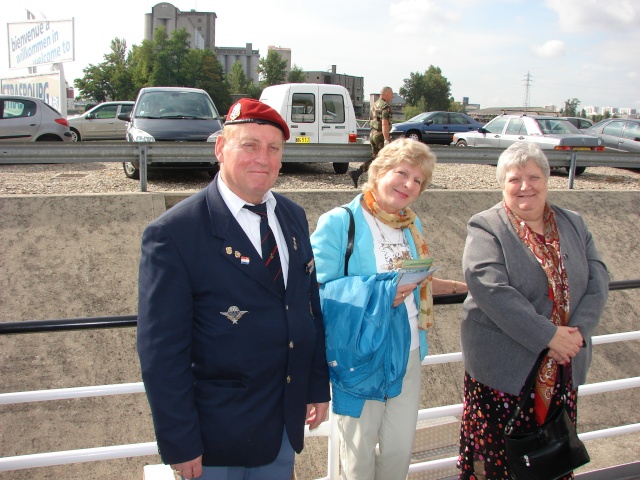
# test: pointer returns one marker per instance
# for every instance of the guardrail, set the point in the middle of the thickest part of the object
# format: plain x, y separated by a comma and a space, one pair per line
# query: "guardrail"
327, 429
146, 154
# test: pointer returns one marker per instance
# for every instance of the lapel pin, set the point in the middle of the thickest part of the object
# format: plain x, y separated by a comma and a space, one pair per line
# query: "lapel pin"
234, 314
295, 245
244, 260
229, 250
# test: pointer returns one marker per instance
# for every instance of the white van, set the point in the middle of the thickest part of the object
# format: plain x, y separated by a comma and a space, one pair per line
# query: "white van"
315, 113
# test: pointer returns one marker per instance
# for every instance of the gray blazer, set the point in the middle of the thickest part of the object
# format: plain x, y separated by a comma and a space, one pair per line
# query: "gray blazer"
506, 314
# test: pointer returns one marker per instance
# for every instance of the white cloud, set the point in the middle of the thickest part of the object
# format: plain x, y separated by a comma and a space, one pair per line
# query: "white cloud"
420, 16
576, 16
549, 49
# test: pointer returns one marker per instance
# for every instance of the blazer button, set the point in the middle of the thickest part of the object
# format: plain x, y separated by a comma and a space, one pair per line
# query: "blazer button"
291, 344
288, 378
286, 307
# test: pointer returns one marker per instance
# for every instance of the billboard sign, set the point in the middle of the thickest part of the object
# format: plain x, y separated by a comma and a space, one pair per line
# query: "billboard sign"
45, 86
40, 42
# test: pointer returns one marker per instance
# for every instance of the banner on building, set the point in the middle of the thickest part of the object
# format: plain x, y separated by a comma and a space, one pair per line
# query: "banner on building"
40, 42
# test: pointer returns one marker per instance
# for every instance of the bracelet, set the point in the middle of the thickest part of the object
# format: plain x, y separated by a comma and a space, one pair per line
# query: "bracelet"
454, 286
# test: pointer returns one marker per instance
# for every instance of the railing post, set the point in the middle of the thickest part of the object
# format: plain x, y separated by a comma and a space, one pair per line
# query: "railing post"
572, 168
142, 157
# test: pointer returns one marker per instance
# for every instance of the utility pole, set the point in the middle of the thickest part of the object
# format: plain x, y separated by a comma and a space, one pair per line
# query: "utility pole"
527, 85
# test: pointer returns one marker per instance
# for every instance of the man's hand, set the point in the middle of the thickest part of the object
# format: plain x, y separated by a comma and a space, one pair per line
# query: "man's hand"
190, 469
316, 414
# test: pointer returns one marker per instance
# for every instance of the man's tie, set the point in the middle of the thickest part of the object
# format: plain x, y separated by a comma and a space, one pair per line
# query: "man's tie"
270, 253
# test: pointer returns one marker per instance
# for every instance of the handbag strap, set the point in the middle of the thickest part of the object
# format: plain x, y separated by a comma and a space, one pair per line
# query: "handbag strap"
350, 236
529, 386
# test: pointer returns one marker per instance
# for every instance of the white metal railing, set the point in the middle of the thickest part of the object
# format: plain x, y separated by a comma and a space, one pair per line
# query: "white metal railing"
327, 429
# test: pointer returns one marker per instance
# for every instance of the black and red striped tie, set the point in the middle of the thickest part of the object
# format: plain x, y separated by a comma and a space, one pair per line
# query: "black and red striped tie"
270, 253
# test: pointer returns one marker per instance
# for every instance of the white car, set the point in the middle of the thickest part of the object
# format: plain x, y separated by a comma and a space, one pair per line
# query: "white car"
101, 122
549, 133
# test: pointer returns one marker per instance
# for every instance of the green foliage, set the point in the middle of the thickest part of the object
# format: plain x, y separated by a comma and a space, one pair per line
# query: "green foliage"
238, 81
272, 69
570, 108
431, 88
456, 106
163, 61
296, 75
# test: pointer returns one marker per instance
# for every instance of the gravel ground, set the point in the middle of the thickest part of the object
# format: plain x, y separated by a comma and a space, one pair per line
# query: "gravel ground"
109, 178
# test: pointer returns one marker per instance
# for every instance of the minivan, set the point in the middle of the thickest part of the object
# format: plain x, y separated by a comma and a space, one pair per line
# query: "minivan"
171, 114
315, 113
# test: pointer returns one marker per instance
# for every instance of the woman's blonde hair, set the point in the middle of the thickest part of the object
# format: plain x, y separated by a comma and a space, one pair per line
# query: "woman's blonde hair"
413, 152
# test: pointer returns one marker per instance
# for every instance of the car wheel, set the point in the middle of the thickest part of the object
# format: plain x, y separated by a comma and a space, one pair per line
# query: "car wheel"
461, 143
131, 171
340, 167
579, 170
75, 135
414, 135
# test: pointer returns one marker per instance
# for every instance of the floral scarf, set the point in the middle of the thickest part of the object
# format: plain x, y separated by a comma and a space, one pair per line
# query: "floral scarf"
547, 251
406, 219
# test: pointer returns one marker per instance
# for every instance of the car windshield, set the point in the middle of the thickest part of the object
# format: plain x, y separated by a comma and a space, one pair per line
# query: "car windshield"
550, 126
175, 105
419, 118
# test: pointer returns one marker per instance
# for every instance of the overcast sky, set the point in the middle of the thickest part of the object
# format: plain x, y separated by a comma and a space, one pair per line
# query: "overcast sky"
585, 49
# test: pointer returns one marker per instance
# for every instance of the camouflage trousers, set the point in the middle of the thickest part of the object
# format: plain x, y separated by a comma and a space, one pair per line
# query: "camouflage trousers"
376, 139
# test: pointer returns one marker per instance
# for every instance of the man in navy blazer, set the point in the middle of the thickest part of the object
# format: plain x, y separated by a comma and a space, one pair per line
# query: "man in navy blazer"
233, 366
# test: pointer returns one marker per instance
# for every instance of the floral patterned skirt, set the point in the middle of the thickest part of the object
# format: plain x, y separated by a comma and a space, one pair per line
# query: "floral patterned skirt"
485, 413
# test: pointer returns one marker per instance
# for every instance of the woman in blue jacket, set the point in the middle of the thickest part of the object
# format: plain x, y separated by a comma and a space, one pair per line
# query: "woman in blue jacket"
376, 328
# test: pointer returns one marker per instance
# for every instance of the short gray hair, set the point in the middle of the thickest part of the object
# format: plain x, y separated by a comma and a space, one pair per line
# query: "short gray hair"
517, 156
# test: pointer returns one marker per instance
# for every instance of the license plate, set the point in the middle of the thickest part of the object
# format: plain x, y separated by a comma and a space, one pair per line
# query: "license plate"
303, 140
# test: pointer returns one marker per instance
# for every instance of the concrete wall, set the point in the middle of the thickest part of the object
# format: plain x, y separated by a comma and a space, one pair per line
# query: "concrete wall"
74, 256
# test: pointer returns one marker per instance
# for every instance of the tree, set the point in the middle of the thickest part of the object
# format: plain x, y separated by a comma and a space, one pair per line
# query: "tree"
296, 75
431, 86
109, 80
272, 69
237, 80
203, 70
571, 107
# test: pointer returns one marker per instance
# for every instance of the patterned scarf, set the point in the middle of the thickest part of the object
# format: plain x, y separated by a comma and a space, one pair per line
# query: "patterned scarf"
406, 219
547, 252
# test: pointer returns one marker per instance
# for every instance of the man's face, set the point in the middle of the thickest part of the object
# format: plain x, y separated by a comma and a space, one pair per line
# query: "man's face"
388, 96
250, 158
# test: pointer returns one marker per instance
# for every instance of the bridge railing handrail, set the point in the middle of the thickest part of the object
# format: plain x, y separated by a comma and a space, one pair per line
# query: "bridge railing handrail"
117, 321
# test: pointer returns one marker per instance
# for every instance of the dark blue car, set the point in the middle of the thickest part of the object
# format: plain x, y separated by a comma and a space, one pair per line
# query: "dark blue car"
434, 127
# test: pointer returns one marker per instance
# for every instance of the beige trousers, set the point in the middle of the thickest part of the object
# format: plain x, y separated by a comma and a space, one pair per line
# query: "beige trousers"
390, 425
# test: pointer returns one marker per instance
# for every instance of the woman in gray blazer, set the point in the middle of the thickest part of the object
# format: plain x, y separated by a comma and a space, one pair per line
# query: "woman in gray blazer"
535, 281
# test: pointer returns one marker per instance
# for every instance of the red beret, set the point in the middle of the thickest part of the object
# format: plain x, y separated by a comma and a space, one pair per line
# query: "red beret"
248, 110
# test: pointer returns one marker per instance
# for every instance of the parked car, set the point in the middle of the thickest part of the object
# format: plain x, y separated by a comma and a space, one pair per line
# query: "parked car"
28, 119
579, 122
171, 114
100, 122
549, 133
434, 127
620, 134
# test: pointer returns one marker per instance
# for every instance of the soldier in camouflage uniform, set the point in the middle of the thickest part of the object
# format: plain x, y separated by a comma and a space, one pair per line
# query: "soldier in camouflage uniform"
380, 122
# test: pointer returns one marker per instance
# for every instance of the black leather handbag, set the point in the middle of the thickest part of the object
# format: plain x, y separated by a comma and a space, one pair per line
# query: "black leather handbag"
551, 450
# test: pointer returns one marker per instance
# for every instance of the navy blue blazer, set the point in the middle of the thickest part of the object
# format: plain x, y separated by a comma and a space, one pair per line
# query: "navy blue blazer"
227, 362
